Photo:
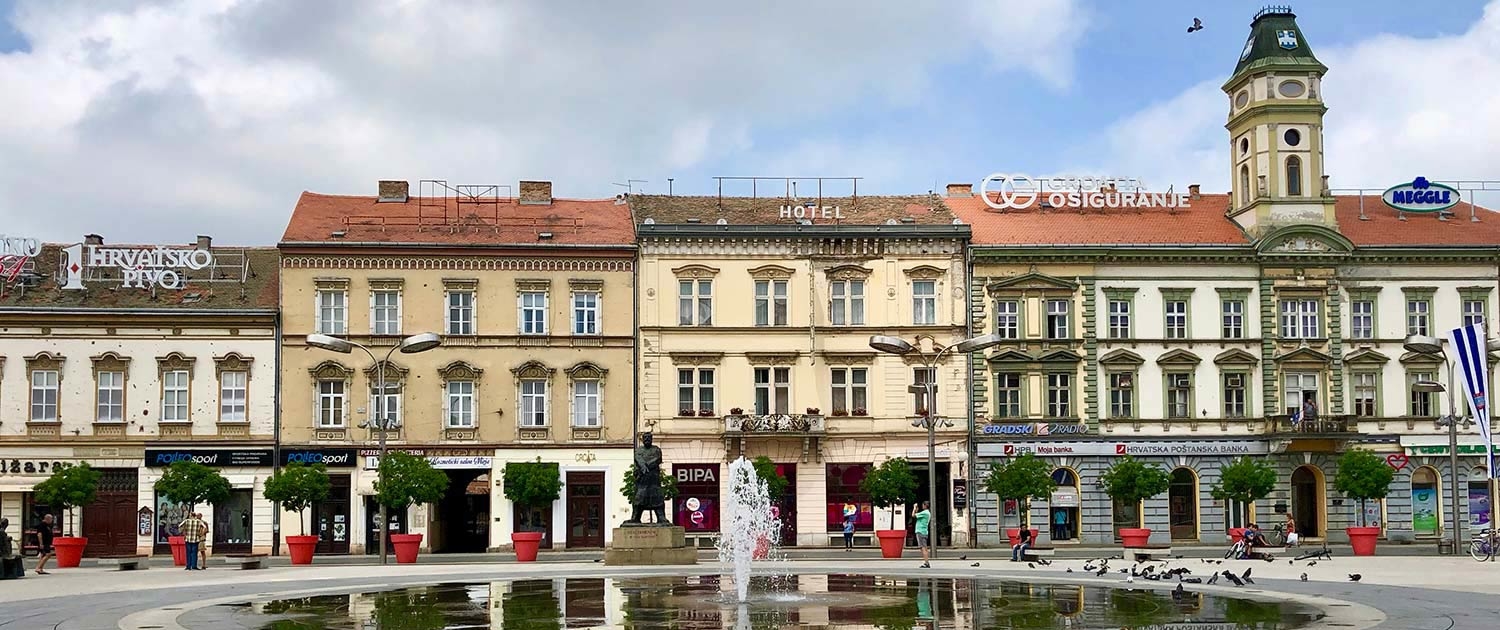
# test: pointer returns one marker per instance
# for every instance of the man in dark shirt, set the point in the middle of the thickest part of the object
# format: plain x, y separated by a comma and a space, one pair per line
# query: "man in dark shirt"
1019, 551
44, 536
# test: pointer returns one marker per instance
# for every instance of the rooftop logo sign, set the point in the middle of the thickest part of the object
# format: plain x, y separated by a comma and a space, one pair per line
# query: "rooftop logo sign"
1421, 195
21, 246
810, 211
139, 267
1004, 191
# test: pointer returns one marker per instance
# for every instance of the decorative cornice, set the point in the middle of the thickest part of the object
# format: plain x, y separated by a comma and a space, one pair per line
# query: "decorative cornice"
1233, 293
696, 358
695, 271
533, 285
330, 370
1476, 292
1419, 292
1120, 293
585, 285
925, 272
771, 358
848, 272
847, 358
232, 362
392, 371
586, 371
460, 371
1417, 358
1176, 293
175, 362
1363, 292
442, 263
109, 362
1031, 281
45, 361
1236, 356
1121, 358
1178, 357
387, 284
772, 272
331, 284
1304, 355
533, 369
1366, 356
461, 284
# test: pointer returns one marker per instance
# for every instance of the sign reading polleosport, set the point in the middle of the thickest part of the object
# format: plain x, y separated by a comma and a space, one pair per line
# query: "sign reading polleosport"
1233, 448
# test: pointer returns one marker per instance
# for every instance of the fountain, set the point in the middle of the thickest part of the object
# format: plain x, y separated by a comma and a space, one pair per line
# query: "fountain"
751, 530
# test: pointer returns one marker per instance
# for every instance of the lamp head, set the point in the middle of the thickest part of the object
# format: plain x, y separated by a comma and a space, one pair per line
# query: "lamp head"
1423, 344
330, 343
420, 342
975, 344
1429, 386
889, 344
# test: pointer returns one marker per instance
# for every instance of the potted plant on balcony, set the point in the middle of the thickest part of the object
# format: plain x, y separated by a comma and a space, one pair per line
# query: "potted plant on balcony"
1129, 481
190, 483
705, 413
668, 487
405, 480
776, 486
1245, 481
860, 411
687, 412
297, 487
1022, 478
68, 488
530, 485
814, 411
889, 485
736, 411
1363, 476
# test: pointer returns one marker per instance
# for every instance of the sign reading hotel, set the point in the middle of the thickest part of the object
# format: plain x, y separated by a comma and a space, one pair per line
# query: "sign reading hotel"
1003, 191
811, 212
1421, 195
139, 267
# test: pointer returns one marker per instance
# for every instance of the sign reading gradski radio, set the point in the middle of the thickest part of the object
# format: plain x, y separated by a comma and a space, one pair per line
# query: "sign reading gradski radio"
139, 267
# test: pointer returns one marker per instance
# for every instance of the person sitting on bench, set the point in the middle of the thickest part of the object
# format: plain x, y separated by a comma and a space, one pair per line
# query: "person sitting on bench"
1253, 539
1019, 550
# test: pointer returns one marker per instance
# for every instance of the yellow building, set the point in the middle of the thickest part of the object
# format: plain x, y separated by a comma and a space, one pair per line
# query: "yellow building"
756, 317
531, 296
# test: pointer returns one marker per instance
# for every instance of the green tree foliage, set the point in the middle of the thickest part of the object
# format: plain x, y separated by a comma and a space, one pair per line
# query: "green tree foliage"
68, 488
1130, 481
296, 487
532, 484
406, 479
1363, 476
1244, 480
668, 485
890, 484
190, 483
1022, 478
775, 483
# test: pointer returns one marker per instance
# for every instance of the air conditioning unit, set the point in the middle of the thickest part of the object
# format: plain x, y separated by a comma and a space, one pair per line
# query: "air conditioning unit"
1180, 381
1234, 380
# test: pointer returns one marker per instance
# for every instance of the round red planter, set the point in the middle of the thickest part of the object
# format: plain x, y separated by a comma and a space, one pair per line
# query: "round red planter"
526, 544
1134, 537
1363, 539
406, 546
69, 551
179, 550
1236, 534
301, 548
892, 541
1015, 536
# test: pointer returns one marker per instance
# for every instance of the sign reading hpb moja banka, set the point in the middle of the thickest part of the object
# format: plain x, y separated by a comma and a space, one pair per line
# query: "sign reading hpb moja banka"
138, 267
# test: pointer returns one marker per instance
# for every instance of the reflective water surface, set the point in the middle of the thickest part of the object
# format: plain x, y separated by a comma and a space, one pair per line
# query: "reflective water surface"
803, 601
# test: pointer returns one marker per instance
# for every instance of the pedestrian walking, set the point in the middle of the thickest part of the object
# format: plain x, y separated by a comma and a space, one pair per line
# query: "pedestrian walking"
194, 532
44, 538
924, 534
848, 532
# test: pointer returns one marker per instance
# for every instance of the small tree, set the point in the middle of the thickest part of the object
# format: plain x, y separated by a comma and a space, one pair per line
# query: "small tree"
68, 488
1129, 481
190, 483
1363, 476
532, 484
1023, 478
1244, 480
668, 485
406, 479
775, 483
890, 484
296, 487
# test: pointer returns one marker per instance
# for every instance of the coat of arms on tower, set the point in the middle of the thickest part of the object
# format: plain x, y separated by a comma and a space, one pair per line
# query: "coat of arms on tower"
1287, 39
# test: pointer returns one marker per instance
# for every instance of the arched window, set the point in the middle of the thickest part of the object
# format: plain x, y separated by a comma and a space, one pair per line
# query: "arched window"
1244, 185
1062, 513
1426, 493
1294, 176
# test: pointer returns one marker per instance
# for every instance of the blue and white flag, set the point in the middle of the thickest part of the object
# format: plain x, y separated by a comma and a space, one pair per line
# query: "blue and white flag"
1296, 417
1469, 343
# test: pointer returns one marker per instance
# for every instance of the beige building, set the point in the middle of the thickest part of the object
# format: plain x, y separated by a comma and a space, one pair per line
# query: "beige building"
531, 295
756, 317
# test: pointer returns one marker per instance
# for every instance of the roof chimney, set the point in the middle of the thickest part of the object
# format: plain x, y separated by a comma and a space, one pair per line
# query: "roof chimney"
205, 242
93, 239
393, 191
536, 193
1194, 191
960, 190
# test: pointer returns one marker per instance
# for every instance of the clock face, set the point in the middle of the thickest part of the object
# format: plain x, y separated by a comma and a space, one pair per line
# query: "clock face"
1249, 43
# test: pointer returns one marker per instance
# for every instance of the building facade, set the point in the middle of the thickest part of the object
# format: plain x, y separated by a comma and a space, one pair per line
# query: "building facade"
530, 295
128, 358
756, 318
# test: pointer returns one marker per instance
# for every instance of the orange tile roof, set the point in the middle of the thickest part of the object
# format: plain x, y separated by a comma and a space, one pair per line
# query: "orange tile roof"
440, 221
862, 210
1383, 226
247, 280
1202, 223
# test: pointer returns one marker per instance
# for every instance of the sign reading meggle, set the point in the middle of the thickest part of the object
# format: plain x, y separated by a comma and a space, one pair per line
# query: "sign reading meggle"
1421, 195
140, 268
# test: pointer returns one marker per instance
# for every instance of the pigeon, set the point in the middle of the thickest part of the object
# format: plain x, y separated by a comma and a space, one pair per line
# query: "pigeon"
975, 564
1246, 576
1313, 563
1290, 561
1070, 569
1101, 572
1354, 577
1030, 565
1194, 580
1130, 579
1213, 578
1044, 562
963, 557
1304, 577
1124, 571
1233, 578
1088, 567
1197, 26
1179, 592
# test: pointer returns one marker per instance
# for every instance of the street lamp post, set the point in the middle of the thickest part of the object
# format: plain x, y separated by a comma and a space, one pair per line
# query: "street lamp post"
897, 345
420, 342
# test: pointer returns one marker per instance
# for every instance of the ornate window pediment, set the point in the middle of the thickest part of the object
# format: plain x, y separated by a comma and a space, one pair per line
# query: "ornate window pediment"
1236, 356
1304, 356
460, 371
331, 284
1304, 240
176, 362
460, 284
533, 285
586, 285
1417, 358
848, 358
1030, 281
696, 358
110, 362
44, 361
331, 370
1061, 356
849, 272
1121, 358
1011, 356
1178, 357
925, 272
695, 271
771, 272
393, 372
587, 371
771, 358
387, 284
1366, 357
232, 362
533, 369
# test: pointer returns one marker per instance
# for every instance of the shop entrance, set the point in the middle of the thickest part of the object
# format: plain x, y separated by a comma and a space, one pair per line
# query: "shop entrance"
232, 523
787, 506
396, 521
1426, 492
331, 520
585, 509
942, 520
1307, 501
110, 521
461, 524
1182, 498
1063, 507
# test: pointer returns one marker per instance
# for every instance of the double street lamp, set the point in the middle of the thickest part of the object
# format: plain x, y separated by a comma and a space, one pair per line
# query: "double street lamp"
932, 360
420, 342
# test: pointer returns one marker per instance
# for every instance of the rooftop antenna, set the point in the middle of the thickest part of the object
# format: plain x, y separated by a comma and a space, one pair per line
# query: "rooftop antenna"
629, 184
669, 186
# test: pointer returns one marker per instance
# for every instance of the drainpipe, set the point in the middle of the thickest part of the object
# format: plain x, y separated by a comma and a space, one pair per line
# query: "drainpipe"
276, 439
969, 446
635, 347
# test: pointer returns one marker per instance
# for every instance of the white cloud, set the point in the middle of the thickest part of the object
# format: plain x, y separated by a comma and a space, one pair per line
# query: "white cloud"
152, 121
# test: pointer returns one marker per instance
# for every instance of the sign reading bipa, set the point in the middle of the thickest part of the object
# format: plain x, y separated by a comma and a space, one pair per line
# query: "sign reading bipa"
139, 267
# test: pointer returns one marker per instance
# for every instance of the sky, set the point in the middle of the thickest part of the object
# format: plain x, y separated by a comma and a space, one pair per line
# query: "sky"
152, 121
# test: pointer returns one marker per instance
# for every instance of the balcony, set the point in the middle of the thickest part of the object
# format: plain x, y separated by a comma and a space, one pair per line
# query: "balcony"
1316, 426
808, 427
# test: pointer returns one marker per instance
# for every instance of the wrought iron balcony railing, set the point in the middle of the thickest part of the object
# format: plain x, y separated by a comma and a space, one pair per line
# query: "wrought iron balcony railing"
1317, 425
774, 423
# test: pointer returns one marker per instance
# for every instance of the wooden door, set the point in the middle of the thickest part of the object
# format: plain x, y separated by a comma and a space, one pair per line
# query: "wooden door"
109, 522
585, 509
331, 520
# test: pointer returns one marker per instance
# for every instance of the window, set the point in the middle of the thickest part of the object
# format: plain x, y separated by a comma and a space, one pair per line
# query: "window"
586, 313
1057, 319
850, 390
332, 312
847, 307
44, 395
330, 404
1364, 394
1008, 319
232, 387
533, 403
460, 312
1293, 171
460, 405
1301, 389
586, 403
695, 391
773, 390
1234, 395
174, 396
921, 405
385, 406
770, 302
1473, 312
533, 313
111, 397
695, 303
1233, 312
1300, 319
1119, 319
1417, 316
1121, 395
1179, 395
1059, 395
1176, 319
385, 312
1362, 319
1008, 395
1423, 404
843, 488
924, 302
1245, 196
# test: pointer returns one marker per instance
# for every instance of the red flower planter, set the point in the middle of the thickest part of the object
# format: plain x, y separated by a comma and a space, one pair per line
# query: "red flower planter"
526, 544
892, 542
1015, 536
1363, 539
301, 548
69, 551
407, 546
1135, 537
179, 550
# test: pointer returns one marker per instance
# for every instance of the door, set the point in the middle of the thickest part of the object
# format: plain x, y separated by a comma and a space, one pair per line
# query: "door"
331, 517
397, 520
1182, 497
109, 522
1307, 501
585, 509
233, 519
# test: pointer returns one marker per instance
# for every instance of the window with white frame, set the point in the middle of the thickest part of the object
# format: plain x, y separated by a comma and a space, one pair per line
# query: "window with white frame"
44, 395
586, 403
533, 312
385, 405
1058, 324
1364, 394
1418, 316
1177, 326
921, 402
111, 397
695, 302
1362, 319
333, 315
460, 318
385, 312
773, 390
1119, 319
174, 396
586, 313
1121, 395
1301, 389
459, 407
1473, 311
233, 385
1301, 319
1233, 312
1059, 395
1234, 394
1423, 404
331, 399
849, 390
924, 302
1179, 395
1008, 395
695, 391
846, 303
533, 403
770, 302
1008, 319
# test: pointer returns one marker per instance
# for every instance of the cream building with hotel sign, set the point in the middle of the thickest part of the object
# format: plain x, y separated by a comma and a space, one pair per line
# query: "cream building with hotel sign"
756, 318
531, 295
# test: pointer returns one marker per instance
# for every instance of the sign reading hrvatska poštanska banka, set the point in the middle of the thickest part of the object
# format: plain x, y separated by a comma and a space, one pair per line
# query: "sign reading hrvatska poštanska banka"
1421, 195
138, 267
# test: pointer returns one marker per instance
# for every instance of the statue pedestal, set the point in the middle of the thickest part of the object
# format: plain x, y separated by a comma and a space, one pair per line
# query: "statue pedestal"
649, 546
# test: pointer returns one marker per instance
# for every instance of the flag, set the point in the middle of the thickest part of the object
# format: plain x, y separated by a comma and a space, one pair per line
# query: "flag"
1296, 417
1469, 344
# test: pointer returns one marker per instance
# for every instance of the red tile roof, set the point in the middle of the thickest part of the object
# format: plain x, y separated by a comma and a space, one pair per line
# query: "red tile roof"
446, 221
243, 278
1382, 225
1201, 223
862, 210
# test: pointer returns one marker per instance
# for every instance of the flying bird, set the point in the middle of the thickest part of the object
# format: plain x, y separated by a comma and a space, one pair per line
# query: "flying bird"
1197, 25
1304, 577
1354, 577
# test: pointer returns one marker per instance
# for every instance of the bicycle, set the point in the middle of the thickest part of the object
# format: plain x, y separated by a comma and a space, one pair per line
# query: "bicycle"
1485, 545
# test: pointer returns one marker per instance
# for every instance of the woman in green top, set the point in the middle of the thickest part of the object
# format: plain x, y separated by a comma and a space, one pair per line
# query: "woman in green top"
924, 538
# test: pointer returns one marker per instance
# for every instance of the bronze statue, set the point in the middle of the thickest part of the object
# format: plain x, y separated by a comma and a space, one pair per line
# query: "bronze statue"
648, 494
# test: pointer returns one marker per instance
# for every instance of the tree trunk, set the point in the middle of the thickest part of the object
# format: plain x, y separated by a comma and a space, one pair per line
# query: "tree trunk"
1025, 513
1362, 513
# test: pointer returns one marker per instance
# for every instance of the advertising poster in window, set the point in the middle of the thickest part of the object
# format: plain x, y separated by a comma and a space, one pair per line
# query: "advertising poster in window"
1424, 519
168, 516
1479, 504
845, 498
696, 508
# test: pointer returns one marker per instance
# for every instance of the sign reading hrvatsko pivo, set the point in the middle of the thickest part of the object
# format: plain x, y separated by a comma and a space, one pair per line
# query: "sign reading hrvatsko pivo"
1421, 195
136, 267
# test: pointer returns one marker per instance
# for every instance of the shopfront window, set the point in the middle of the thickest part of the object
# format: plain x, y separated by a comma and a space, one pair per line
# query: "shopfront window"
696, 508
845, 497
1479, 499
168, 516
233, 520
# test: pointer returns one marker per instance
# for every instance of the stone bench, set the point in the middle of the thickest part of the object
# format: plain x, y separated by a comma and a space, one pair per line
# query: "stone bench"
125, 562
246, 561
1034, 554
1147, 552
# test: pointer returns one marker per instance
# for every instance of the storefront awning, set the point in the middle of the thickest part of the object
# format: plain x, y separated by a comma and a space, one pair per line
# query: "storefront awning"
17, 485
